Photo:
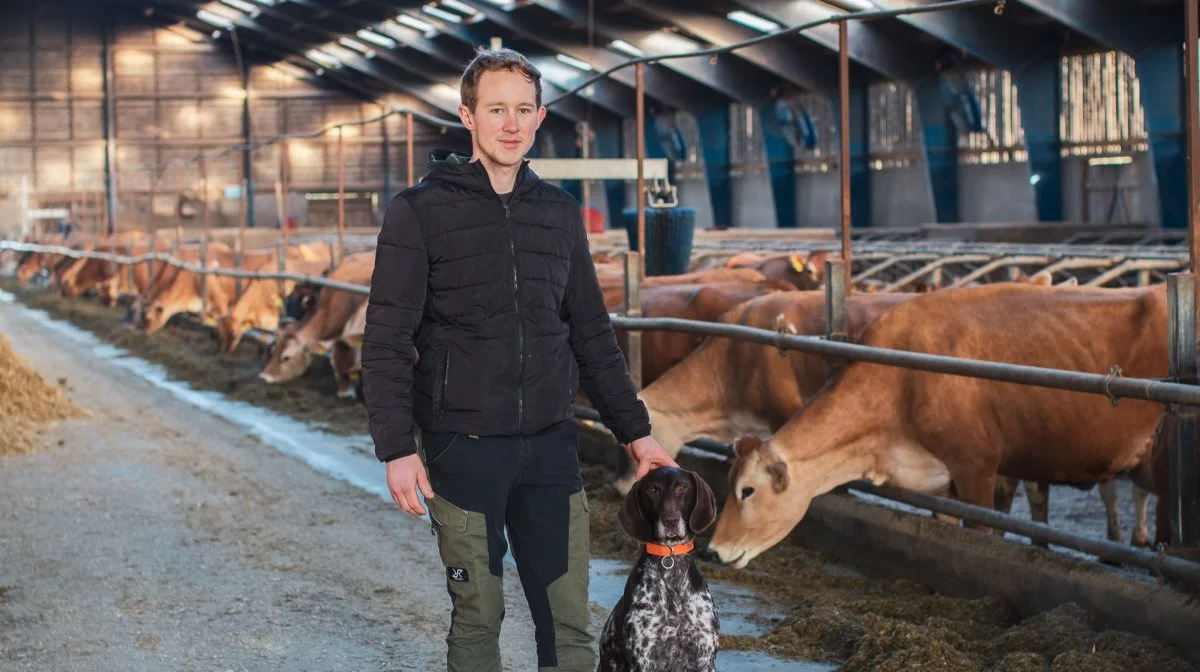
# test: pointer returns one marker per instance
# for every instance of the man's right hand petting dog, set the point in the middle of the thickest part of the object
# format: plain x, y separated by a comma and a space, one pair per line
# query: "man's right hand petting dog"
666, 619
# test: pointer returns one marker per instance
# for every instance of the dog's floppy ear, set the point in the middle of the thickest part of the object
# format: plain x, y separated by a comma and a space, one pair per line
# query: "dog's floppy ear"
633, 520
705, 511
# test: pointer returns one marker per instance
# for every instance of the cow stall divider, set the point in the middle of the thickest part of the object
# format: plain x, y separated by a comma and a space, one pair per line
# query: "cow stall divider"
1180, 397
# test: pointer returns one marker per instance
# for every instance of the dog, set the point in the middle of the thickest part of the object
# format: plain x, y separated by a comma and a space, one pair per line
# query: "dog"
665, 619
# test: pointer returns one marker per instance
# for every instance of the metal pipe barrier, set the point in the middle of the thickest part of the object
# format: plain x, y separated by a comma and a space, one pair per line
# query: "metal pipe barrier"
1113, 386
194, 268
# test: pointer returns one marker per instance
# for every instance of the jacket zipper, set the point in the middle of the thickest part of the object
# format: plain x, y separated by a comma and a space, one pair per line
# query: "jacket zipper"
512, 250
445, 382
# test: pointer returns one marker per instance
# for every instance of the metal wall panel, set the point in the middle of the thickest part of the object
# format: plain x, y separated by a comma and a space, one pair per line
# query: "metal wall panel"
894, 139
179, 119
824, 115
1003, 138
134, 71
50, 71
221, 119
89, 166
15, 121
54, 170
1102, 106
136, 119
16, 162
86, 119
15, 71
747, 155
52, 120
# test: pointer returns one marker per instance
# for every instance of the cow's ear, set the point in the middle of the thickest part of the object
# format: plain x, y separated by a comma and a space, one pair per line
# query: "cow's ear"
743, 446
777, 469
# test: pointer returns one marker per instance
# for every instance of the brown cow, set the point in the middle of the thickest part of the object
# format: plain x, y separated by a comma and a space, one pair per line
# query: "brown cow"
345, 356
799, 270
181, 294
662, 350
260, 304
732, 386
612, 282
1038, 494
292, 351
87, 273
924, 431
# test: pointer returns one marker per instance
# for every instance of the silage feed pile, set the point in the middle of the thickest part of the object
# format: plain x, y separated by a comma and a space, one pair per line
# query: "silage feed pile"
27, 402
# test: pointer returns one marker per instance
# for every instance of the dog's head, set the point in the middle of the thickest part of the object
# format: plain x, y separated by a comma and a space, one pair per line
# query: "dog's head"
668, 506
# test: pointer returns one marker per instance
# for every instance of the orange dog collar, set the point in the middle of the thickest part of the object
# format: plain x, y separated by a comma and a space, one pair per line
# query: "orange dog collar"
668, 551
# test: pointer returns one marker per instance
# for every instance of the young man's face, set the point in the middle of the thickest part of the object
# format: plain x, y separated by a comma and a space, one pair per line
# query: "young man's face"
506, 117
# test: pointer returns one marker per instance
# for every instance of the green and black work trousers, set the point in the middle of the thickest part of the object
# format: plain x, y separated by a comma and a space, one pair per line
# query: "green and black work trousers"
530, 486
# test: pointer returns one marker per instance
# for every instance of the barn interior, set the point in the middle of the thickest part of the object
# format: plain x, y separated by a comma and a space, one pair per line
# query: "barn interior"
187, 187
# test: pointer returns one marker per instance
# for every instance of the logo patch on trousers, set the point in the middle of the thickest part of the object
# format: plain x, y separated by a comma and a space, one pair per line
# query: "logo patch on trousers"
457, 574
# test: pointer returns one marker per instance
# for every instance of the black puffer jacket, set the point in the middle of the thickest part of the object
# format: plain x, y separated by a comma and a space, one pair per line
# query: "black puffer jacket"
503, 306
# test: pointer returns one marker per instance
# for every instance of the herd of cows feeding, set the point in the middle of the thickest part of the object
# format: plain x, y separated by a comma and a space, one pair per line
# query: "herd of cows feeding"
967, 438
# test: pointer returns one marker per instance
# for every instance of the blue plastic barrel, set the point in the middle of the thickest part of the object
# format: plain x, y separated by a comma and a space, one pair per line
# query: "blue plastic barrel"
669, 235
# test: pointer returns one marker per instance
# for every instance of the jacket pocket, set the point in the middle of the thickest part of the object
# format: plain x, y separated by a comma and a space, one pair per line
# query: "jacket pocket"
441, 380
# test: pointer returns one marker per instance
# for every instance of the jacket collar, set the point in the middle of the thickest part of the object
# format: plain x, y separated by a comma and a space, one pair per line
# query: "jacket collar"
452, 167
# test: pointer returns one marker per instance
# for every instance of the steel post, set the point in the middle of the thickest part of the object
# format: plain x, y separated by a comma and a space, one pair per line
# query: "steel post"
1182, 490
835, 310
844, 141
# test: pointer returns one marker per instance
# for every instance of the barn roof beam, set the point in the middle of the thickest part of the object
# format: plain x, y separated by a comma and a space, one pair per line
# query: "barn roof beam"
978, 31
423, 60
662, 85
794, 61
557, 77
422, 89
730, 77
1126, 26
415, 99
868, 45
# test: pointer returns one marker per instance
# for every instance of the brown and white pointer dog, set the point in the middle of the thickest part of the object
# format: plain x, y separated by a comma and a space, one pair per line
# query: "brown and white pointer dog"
666, 619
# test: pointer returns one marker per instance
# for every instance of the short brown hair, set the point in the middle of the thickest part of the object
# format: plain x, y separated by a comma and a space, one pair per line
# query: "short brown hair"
496, 59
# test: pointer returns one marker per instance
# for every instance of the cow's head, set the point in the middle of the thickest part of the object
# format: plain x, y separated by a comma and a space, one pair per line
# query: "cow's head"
800, 271
29, 266
762, 506
344, 359
154, 316
290, 358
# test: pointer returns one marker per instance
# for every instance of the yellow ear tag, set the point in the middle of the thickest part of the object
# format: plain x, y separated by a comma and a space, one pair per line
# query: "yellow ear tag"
797, 263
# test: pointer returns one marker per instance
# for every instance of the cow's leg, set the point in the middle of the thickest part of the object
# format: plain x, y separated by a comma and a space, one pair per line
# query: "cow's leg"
950, 493
1108, 495
1005, 489
1162, 523
977, 485
1141, 526
1038, 496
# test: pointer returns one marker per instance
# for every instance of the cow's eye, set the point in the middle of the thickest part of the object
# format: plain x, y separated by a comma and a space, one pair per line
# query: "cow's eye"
746, 492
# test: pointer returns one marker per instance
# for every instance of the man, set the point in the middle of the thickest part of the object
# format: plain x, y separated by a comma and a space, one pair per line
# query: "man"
484, 270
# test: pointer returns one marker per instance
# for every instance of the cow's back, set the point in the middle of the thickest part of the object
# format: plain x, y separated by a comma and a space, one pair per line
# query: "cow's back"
1047, 435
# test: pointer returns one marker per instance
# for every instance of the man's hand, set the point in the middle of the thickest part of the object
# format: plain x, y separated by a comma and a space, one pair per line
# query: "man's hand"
403, 476
649, 456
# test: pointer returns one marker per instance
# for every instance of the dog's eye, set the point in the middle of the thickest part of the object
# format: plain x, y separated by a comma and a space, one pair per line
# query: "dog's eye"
652, 491
746, 492
681, 488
